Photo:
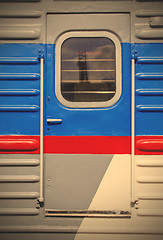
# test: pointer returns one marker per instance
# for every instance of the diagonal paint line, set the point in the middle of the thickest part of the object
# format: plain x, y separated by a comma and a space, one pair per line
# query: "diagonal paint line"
113, 193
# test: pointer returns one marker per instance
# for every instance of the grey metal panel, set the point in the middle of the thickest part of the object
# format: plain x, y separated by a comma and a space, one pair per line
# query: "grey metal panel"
91, 235
147, 13
20, 23
156, 21
70, 22
18, 200
148, 22
18, 178
19, 211
19, 157
149, 33
18, 14
88, 229
19, 186
19, 162
19, 195
24, 12
13, 33
72, 180
20, 0
41, 236
23, 7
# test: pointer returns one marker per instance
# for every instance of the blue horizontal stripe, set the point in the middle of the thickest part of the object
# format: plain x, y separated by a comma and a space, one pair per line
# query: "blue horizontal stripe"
13, 76
109, 121
149, 88
149, 92
23, 117
149, 76
150, 108
150, 60
19, 92
17, 108
20, 89
19, 60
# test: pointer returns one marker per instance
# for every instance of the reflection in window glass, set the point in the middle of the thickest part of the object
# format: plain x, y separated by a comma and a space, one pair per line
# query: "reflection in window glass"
88, 70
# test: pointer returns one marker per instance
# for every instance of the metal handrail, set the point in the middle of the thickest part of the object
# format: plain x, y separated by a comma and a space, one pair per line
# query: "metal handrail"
41, 198
133, 133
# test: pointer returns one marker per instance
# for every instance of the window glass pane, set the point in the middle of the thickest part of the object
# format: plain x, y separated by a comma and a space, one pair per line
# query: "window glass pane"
88, 70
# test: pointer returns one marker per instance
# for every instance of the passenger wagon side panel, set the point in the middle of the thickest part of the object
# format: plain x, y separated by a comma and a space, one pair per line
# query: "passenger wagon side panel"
86, 134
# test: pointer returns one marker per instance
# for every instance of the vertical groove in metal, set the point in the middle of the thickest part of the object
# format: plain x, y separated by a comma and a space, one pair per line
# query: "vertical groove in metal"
133, 132
41, 198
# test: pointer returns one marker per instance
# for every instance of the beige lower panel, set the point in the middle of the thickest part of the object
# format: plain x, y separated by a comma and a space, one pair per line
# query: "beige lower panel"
114, 190
113, 193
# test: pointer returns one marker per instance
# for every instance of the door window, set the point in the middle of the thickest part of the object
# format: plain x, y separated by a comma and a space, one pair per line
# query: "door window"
88, 72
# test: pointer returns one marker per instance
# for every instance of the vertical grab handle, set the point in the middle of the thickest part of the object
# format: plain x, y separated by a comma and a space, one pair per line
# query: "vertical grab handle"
133, 132
41, 198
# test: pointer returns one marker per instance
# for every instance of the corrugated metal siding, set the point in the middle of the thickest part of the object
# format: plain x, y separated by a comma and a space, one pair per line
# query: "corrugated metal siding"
149, 131
20, 25
148, 23
28, 24
149, 91
19, 89
149, 183
19, 184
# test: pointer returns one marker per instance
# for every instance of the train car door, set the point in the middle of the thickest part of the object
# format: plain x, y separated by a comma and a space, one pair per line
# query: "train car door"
88, 121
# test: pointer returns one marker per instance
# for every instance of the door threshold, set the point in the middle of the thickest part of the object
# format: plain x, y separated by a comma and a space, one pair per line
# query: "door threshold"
87, 213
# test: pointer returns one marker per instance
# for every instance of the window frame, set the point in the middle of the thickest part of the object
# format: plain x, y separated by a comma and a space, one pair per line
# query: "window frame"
118, 56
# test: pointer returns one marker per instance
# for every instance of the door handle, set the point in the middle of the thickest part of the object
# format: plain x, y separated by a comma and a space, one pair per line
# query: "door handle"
54, 121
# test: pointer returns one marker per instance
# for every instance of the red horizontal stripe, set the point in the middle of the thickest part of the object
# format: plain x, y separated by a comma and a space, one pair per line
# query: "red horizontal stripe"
19, 144
149, 145
144, 145
88, 144
67, 144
